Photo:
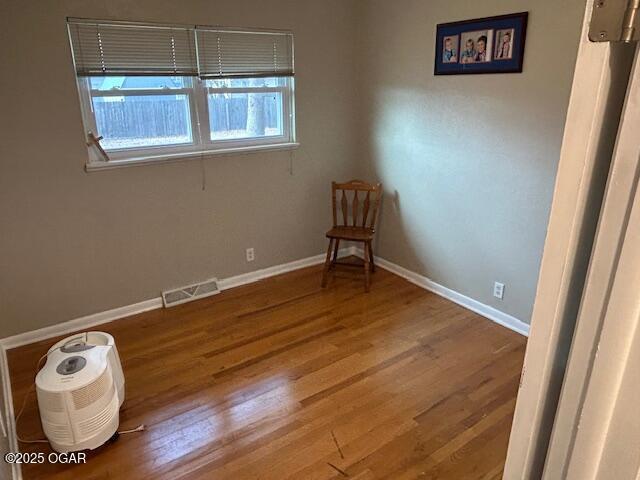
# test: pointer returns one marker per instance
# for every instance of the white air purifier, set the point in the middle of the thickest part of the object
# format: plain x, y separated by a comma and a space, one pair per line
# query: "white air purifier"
80, 390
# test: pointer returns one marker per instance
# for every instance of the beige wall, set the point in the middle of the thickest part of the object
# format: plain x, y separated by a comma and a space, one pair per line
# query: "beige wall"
468, 162
5, 468
74, 243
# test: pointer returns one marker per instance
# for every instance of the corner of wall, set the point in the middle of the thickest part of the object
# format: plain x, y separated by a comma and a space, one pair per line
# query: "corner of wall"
468, 161
9, 441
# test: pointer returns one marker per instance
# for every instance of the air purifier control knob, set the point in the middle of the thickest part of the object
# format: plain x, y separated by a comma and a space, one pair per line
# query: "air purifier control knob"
71, 365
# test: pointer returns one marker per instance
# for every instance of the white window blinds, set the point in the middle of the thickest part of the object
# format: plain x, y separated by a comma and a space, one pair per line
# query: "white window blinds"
225, 54
122, 48
107, 48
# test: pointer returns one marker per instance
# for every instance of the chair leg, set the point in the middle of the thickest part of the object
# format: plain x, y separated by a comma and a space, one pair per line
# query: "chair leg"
335, 252
373, 263
367, 266
327, 265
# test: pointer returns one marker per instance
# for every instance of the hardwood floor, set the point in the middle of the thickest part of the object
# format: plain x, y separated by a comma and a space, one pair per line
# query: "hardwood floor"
283, 380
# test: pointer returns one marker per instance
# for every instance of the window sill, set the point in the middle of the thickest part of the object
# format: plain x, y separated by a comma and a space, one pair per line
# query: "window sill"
178, 157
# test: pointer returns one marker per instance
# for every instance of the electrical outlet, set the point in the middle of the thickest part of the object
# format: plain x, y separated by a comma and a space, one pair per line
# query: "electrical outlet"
251, 254
498, 290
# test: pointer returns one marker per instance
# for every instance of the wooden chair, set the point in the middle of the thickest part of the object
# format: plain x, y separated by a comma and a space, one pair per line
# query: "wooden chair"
362, 205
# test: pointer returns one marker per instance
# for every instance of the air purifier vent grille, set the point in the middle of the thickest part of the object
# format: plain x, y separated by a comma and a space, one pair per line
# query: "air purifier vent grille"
190, 292
50, 401
85, 396
58, 433
97, 422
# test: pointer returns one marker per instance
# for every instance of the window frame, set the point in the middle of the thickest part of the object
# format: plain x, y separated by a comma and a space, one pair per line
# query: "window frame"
286, 137
202, 144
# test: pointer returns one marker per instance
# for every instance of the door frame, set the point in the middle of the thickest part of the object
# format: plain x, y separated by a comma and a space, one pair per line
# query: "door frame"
607, 327
589, 137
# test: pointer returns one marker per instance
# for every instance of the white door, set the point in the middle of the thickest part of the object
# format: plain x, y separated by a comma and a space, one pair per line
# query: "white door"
567, 296
596, 434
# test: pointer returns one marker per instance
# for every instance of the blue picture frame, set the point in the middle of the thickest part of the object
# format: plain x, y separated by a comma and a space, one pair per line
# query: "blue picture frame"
483, 45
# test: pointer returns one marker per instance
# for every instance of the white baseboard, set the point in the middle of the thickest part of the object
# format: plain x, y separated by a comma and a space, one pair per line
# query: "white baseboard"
487, 311
8, 416
79, 323
251, 277
246, 278
92, 320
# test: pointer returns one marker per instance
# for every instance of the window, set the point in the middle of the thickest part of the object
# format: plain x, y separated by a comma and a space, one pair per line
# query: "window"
154, 92
132, 113
246, 108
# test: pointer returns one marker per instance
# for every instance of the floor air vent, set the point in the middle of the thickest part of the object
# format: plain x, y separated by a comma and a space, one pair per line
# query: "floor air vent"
190, 292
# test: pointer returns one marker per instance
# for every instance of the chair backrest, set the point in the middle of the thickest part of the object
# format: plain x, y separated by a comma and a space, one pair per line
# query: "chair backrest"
359, 202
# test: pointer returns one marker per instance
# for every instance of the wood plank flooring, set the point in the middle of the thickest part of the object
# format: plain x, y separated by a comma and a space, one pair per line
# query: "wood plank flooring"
283, 380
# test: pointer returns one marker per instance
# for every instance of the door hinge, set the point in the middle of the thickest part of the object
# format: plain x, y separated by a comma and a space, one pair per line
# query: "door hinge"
615, 21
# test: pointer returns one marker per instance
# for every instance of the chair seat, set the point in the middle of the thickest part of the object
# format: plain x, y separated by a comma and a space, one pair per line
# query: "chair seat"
351, 233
